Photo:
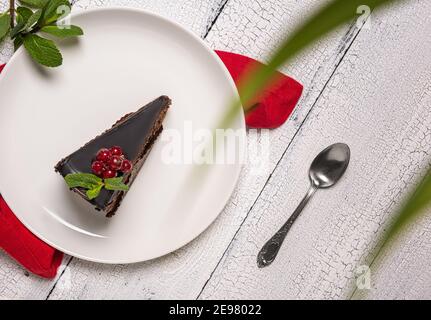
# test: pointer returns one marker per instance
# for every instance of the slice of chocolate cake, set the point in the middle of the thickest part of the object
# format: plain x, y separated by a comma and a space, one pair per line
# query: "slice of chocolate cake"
117, 153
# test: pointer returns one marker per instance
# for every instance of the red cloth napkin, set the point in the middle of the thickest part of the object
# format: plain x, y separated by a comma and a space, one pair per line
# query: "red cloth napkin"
272, 109
276, 103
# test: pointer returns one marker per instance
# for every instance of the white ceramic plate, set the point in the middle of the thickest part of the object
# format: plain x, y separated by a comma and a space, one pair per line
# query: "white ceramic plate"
126, 59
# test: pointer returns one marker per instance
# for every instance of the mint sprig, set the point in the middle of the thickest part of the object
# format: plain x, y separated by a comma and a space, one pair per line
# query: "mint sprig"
32, 17
94, 184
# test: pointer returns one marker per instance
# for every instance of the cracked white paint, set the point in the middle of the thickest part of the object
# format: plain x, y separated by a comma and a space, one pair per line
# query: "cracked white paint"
378, 102
402, 269
387, 127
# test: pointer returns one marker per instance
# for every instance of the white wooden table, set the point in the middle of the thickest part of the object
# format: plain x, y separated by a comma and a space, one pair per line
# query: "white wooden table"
369, 86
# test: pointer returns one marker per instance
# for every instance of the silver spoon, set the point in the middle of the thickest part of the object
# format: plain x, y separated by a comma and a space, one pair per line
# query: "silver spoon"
327, 168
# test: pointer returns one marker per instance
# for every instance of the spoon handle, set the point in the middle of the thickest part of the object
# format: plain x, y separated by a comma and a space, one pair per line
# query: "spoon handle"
270, 250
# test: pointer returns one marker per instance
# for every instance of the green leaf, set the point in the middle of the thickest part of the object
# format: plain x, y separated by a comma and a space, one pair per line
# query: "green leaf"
419, 200
64, 32
83, 180
17, 29
34, 3
34, 18
116, 184
93, 193
53, 11
17, 42
23, 14
42, 50
4, 25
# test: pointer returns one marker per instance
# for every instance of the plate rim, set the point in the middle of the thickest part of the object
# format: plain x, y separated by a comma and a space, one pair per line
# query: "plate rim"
239, 166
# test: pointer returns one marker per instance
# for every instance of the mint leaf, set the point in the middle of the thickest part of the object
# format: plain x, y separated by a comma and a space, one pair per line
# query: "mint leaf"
17, 29
93, 193
83, 180
17, 42
34, 3
64, 32
94, 184
33, 19
42, 50
115, 184
23, 14
4, 25
53, 11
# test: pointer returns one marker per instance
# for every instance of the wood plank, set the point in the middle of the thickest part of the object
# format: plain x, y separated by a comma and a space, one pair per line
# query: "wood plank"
378, 102
196, 15
402, 269
183, 274
17, 283
6, 48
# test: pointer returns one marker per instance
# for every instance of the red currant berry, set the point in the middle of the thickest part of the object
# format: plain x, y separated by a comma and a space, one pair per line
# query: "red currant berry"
107, 174
126, 166
103, 155
115, 163
116, 151
97, 167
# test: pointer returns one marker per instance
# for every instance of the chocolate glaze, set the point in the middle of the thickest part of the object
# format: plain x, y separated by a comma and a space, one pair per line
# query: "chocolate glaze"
134, 133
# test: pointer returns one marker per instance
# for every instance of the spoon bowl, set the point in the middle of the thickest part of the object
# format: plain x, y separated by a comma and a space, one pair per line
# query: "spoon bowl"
329, 166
